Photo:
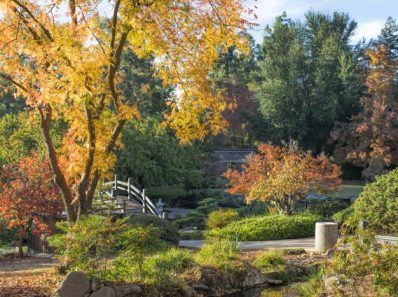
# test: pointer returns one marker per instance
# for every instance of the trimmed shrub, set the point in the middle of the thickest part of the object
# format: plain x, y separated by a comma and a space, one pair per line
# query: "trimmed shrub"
269, 228
378, 203
168, 232
221, 218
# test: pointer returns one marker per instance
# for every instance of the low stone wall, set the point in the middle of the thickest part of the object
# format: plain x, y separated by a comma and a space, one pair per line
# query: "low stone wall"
209, 281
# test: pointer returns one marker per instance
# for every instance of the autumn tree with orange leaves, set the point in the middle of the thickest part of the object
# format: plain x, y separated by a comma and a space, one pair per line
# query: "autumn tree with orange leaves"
371, 138
66, 67
283, 176
28, 196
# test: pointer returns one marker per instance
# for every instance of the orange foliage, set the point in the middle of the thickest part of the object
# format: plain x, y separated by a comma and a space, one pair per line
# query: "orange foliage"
28, 194
282, 177
372, 136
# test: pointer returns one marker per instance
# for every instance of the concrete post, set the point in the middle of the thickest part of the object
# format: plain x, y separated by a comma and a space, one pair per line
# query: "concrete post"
326, 235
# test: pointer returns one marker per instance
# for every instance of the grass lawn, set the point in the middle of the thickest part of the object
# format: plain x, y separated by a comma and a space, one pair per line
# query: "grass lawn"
348, 191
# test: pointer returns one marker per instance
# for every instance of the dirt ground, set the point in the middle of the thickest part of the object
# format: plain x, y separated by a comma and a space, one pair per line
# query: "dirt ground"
28, 276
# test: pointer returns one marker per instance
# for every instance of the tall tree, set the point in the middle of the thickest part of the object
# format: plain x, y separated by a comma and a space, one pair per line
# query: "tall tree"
371, 137
28, 196
233, 73
68, 67
389, 37
309, 77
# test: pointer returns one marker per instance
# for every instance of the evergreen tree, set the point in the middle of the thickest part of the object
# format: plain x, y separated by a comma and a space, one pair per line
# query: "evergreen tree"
309, 78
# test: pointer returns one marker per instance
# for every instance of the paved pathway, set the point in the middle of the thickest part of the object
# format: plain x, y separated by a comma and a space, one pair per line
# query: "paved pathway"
306, 243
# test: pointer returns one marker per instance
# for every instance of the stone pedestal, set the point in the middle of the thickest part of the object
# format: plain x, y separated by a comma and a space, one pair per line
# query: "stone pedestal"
326, 235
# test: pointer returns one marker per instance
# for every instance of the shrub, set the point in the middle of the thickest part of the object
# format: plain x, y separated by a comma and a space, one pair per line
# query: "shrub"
378, 203
168, 232
97, 245
88, 244
269, 228
366, 264
221, 218
197, 217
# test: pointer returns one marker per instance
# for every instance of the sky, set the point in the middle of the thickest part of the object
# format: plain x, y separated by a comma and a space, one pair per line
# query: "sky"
369, 14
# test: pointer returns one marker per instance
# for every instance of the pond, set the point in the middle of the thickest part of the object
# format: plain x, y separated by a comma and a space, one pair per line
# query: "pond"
283, 291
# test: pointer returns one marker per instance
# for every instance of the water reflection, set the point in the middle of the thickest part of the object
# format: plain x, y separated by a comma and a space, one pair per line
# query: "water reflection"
266, 292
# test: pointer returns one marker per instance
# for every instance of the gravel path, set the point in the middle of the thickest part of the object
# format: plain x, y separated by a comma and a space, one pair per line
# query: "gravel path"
304, 243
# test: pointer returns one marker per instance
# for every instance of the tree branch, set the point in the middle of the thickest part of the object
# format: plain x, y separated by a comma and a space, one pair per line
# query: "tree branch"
43, 28
14, 82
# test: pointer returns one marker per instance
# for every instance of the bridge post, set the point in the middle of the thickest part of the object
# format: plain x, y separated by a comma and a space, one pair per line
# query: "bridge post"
129, 188
114, 190
143, 201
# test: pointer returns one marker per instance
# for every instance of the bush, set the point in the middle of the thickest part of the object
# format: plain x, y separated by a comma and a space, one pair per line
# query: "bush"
269, 228
99, 245
168, 232
378, 203
197, 217
365, 264
221, 218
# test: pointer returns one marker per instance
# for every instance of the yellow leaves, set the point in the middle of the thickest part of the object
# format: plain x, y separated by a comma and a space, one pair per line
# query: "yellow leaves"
69, 67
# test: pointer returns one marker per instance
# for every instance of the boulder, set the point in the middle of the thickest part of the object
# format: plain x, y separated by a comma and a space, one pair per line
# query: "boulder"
331, 282
104, 292
76, 284
253, 277
130, 290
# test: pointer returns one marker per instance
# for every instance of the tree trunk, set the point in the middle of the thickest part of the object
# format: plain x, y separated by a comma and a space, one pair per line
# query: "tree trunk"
21, 235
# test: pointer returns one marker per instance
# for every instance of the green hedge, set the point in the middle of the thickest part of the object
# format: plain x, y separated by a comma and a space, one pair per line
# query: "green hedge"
272, 227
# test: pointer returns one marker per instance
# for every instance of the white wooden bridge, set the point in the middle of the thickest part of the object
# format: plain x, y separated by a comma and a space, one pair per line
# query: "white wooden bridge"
128, 199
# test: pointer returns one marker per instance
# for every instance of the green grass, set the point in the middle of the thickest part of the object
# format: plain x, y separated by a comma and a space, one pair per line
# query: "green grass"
347, 191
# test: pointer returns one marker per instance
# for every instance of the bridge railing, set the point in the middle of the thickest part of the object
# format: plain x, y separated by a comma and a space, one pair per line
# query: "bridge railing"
133, 194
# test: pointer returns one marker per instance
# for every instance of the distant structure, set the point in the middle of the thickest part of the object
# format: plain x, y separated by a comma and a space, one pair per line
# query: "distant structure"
223, 159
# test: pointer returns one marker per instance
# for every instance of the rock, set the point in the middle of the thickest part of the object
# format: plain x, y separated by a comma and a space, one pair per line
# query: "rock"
253, 277
128, 290
330, 282
104, 292
201, 287
275, 282
95, 285
75, 284
329, 252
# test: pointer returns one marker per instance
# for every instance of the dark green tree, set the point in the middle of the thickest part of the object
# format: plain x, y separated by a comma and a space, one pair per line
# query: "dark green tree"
233, 73
309, 77
151, 156
389, 37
